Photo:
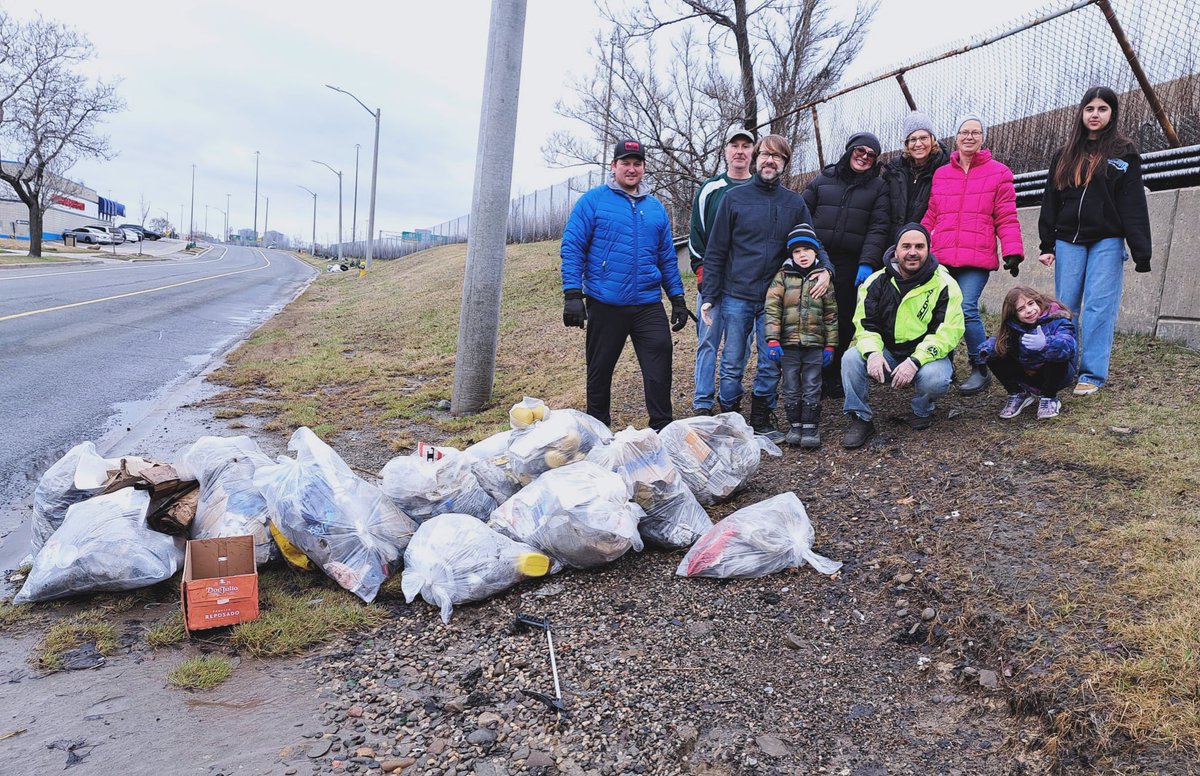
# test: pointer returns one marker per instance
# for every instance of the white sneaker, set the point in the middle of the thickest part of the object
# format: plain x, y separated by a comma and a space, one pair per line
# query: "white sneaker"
1016, 402
1048, 408
1085, 389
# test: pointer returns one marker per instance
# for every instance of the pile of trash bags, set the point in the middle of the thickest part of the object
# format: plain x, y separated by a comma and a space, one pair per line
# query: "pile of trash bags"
558, 490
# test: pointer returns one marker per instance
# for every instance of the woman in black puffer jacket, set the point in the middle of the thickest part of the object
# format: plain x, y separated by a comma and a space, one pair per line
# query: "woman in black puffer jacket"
910, 175
850, 214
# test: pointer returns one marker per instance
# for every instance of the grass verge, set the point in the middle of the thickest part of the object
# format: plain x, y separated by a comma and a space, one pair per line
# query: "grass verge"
200, 673
166, 632
90, 626
298, 611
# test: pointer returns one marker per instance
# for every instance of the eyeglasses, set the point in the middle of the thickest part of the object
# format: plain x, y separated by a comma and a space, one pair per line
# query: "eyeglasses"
771, 155
970, 133
918, 140
866, 153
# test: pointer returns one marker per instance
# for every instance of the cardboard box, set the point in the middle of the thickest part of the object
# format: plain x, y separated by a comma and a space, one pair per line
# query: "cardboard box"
220, 582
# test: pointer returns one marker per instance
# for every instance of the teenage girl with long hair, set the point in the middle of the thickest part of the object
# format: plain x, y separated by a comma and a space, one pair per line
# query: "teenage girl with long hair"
1094, 204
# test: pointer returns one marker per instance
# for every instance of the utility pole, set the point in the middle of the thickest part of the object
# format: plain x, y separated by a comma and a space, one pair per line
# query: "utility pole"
338, 173
256, 198
192, 212
374, 171
354, 214
479, 319
313, 250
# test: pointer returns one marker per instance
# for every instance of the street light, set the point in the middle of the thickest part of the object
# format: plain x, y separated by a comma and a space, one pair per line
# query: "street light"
226, 218
354, 215
192, 212
314, 241
374, 171
256, 198
339, 174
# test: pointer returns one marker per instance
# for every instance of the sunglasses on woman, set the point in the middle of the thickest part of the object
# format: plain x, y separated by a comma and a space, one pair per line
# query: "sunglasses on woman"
866, 153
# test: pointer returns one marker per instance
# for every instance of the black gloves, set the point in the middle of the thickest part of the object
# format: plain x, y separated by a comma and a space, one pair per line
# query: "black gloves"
1013, 264
1141, 265
574, 313
679, 312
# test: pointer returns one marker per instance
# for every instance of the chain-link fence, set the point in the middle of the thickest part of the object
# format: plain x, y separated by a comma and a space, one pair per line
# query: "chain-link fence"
1024, 81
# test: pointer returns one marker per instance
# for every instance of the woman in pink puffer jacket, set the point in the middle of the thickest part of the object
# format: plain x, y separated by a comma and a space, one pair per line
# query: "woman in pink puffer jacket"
971, 204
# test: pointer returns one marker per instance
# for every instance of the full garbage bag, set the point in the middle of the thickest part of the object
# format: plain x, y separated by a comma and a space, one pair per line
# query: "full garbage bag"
761, 539
674, 519
454, 558
230, 504
104, 543
425, 488
489, 462
79, 474
716, 455
340, 521
564, 437
527, 411
578, 514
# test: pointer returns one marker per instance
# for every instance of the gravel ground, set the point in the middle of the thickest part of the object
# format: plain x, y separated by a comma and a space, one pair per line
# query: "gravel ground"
860, 674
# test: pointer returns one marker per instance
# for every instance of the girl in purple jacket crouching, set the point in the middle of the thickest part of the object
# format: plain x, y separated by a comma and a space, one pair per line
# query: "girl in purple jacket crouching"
1033, 354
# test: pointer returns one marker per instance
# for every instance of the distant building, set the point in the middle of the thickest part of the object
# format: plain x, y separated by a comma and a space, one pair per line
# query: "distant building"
77, 206
278, 238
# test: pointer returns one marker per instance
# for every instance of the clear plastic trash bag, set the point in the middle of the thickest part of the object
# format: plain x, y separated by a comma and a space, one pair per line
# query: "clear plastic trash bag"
674, 519
230, 504
78, 475
716, 455
103, 544
426, 488
489, 461
339, 520
578, 514
761, 539
563, 438
454, 558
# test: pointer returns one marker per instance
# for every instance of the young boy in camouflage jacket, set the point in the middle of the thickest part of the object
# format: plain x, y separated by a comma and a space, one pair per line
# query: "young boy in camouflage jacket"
802, 333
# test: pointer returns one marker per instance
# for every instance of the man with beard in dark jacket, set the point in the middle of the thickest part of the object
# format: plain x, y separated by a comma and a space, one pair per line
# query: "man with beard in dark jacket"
849, 204
746, 247
908, 320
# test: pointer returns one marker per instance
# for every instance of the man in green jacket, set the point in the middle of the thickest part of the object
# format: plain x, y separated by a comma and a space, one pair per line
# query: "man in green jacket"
908, 320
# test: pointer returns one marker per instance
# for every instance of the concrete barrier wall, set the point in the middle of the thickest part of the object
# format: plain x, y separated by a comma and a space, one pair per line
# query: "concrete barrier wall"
1164, 302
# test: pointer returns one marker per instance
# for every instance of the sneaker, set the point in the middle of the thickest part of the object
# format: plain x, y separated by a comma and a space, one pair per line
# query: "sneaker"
1048, 408
702, 411
1016, 402
858, 432
1085, 389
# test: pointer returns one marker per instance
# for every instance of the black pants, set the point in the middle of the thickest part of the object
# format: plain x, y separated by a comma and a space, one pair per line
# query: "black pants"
608, 326
1047, 381
845, 293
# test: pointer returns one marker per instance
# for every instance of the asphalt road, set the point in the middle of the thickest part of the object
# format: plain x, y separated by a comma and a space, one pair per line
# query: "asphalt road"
86, 349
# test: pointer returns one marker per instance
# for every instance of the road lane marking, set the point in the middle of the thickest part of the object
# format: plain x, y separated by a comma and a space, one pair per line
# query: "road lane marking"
133, 293
121, 268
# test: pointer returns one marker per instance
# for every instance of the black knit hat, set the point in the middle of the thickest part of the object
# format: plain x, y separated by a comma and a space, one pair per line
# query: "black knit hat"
864, 139
803, 234
910, 226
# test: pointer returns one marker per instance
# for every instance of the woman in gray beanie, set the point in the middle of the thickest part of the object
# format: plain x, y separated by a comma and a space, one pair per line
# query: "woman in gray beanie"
910, 175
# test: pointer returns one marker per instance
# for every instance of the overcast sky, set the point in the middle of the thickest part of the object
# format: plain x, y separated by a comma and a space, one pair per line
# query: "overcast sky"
209, 83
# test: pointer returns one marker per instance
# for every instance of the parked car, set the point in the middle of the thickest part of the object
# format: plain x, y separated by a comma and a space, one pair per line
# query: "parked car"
146, 234
131, 235
95, 235
117, 235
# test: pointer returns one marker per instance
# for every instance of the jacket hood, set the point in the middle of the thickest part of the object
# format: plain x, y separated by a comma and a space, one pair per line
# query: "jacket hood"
642, 190
1053, 312
923, 274
841, 169
793, 268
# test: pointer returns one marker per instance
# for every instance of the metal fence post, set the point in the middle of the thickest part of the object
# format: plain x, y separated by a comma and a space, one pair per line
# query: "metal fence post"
1163, 120
907, 94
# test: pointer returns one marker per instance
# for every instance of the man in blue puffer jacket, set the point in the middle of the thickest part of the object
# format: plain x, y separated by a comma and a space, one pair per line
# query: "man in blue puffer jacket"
617, 258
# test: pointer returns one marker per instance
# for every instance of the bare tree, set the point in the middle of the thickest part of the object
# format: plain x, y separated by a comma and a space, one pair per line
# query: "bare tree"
143, 208
728, 61
49, 113
160, 225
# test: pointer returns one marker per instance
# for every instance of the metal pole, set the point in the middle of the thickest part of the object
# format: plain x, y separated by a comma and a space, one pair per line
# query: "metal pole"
1147, 88
256, 197
192, 212
338, 173
354, 214
817, 135
206, 220
907, 94
266, 216
374, 178
479, 319
226, 218
313, 250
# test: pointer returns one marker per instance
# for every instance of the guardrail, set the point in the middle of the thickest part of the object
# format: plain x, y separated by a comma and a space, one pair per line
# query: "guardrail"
1170, 168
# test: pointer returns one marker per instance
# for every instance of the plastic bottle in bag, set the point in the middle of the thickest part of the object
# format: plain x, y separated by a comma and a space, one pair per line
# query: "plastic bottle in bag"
489, 462
230, 504
716, 455
564, 437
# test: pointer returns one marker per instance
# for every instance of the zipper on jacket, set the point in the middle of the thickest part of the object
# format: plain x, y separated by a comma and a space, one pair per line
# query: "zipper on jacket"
1079, 213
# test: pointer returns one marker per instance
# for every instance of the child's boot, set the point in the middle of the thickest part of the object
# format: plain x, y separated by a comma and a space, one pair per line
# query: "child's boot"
793, 437
810, 433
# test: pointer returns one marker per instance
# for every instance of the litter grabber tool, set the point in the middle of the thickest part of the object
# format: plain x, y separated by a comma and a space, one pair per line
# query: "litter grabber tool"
523, 623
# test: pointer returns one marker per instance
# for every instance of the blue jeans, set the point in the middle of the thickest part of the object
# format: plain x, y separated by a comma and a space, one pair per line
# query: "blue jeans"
930, 384
708, 342
971, 281
739, 321
1088, 279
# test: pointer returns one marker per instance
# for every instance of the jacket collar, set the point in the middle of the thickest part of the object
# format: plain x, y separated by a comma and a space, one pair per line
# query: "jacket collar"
982, 157
765, 185
923, 274
642, 191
